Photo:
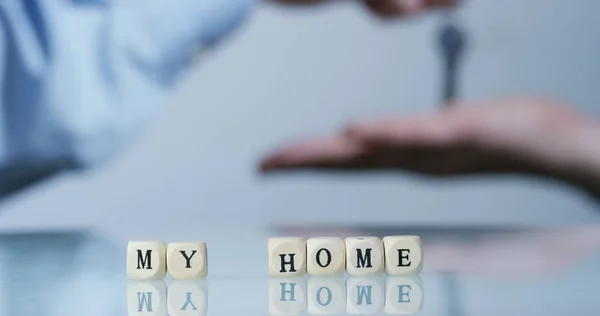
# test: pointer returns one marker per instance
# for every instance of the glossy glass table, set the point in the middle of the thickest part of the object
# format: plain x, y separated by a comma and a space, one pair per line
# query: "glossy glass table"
468, 271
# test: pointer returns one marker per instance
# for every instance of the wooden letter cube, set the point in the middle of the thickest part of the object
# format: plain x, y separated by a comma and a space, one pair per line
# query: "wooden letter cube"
364, 256
404, 295
403, 255
187, 298
187, 260
146, 260
366, 295
147, 298
326, 256
287, 296
287, 257
326, 295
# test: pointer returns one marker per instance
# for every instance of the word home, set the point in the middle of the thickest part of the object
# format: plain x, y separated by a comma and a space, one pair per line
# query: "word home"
357, 256
396, 295
151, 260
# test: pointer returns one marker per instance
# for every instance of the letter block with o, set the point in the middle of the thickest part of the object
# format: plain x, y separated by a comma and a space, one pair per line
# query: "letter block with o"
287, 256
146, 260
326, 256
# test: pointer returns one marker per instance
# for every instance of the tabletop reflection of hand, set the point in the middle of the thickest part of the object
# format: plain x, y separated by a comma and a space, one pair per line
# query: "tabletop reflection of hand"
520, 255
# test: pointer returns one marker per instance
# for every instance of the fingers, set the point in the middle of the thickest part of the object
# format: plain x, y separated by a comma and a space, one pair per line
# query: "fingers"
396, 8
326, 152
426, 131
415, 144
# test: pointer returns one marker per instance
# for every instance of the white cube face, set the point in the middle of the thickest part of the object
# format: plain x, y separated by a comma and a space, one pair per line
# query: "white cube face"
287, 257
146, 260
147, 298
403, 255
287, 296
187, 260
404, 295
325, 256
364, 256
187, 298
326, 295
365, 295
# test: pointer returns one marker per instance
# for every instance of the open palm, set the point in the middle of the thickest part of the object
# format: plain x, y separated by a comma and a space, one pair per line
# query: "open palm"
530, 136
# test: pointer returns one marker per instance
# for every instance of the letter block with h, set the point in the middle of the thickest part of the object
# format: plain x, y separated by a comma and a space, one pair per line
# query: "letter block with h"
287, 256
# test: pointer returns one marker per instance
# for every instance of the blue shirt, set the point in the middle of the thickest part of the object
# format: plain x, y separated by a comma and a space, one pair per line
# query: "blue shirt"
80, 78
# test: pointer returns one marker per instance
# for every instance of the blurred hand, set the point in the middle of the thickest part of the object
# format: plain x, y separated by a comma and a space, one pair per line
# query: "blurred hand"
529, 136
389, 8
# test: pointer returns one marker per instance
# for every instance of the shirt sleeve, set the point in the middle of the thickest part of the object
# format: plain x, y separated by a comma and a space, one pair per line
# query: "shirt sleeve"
80, 78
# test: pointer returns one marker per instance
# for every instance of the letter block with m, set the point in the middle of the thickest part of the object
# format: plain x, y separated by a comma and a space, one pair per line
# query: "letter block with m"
146, 260
364, 256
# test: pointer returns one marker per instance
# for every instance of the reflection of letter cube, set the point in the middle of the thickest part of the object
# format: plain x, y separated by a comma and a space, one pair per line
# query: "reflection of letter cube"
325, 256
326, 295
287, 296
404, 295
364, 256
187, 298
287, 256
365, 295
403, 255
187, 260
147, 298
146, 260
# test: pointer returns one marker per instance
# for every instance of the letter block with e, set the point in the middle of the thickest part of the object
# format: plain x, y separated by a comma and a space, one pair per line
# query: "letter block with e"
287, 257
403, 255
404, 295
146, 260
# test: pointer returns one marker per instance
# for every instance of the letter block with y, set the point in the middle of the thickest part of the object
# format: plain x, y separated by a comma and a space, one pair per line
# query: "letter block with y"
287, 256
364, 256
187, 298
146, 260
404, 295
187, 260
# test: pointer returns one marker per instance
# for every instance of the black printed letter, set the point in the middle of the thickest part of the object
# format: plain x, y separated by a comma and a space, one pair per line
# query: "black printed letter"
403, 256
143, 260
291, 262
319, 257
361, 260
187, 259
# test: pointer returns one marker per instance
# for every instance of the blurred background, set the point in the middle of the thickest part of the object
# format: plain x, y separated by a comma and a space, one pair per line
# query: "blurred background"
193, 173
296, 72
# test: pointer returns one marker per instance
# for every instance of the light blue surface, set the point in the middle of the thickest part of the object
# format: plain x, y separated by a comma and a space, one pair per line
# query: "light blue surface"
79, 273
80, 78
